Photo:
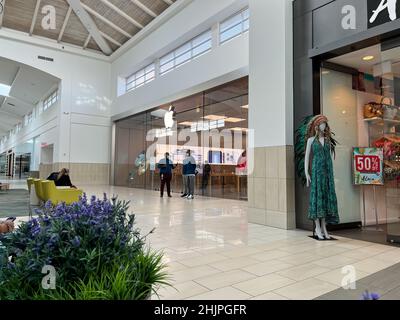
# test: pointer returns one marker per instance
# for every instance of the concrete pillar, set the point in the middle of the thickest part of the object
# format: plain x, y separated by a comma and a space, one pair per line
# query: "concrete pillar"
271, 183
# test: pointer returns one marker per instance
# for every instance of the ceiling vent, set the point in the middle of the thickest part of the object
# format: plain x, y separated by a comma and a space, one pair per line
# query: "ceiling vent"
45, 58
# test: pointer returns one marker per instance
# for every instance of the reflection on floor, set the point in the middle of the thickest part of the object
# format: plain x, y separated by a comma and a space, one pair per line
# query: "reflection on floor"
374, 234
212, 252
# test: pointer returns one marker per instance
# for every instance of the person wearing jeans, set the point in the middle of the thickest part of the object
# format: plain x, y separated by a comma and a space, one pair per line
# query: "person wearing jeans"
166, 166
189, 175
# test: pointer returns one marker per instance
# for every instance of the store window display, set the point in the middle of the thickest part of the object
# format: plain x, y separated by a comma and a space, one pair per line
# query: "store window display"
212, 124
360, 94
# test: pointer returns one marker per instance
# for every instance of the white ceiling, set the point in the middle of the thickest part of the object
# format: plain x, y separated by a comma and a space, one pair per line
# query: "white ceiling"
28, 87
355, 59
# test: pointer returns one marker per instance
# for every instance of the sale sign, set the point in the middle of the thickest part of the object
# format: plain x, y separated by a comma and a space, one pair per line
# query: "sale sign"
368, 166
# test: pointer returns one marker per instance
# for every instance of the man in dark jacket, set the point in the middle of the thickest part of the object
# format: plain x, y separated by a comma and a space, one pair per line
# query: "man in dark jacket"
189, 175
166, 166
206, 175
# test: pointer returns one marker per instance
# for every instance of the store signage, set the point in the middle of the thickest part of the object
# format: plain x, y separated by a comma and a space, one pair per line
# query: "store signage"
382, 11
169, 118
368, 166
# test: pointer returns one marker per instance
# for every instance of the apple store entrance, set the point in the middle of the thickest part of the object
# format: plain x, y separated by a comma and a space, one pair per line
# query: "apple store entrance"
212, 124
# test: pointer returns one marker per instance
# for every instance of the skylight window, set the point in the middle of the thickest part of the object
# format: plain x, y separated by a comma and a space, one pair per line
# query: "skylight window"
4, 90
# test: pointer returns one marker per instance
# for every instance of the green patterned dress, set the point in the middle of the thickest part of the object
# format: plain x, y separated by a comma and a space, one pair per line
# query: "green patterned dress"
323, 201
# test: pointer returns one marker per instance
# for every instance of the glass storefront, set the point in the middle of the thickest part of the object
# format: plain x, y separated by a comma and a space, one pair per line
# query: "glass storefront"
360, 95
212, 124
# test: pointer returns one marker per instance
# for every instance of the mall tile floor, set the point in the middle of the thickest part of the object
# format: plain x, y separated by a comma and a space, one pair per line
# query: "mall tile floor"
213, 253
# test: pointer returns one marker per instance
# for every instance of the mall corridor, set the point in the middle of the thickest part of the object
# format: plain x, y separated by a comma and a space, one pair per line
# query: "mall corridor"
212, 251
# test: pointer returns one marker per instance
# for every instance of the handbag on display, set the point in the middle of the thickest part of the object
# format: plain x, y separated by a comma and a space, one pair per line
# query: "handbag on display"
373, 110
389, 110
381, 110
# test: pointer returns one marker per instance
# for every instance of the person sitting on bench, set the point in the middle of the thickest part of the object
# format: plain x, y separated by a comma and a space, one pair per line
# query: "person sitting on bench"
62, 178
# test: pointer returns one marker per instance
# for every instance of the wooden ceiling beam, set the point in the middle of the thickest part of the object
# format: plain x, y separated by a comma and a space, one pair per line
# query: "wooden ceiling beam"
2, 9
87, 41
106, 36
106, 21
145, 8
64, 24
122, 13
90, 25
34, 17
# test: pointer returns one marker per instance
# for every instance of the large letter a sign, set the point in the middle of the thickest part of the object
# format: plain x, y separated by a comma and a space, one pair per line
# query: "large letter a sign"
382, 11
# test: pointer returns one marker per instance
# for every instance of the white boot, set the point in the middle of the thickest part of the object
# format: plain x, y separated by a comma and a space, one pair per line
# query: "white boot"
318, 230
324, 230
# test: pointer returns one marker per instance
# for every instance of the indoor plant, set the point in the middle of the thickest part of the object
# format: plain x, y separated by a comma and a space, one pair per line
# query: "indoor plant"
94, 248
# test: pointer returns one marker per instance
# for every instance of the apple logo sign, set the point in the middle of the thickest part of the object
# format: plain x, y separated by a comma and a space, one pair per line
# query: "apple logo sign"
169, 118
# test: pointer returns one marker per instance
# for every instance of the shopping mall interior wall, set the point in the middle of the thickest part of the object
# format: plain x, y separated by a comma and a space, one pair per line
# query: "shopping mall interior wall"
222, 64
271, 185
84, 109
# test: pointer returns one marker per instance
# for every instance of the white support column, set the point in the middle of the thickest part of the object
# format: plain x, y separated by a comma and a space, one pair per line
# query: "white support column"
157, 68
215, 35
271, 184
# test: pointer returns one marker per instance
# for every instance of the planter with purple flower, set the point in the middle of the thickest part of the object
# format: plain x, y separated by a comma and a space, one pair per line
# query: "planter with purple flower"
94, 248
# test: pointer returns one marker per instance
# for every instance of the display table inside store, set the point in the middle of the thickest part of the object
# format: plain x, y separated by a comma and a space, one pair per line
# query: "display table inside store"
4, 186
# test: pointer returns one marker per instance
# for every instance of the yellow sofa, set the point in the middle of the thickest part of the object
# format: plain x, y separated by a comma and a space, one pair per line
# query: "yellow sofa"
29, 181
38, 189
56, 196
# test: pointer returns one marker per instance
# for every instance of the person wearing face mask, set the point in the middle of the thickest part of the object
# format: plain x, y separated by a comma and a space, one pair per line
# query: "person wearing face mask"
189, 175
323, 208
166, 166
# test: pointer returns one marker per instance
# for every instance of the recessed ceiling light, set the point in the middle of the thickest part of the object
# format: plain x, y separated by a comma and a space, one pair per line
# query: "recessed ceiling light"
214, 117
186, 123
368, 58
325, 72
234, 120
245, 106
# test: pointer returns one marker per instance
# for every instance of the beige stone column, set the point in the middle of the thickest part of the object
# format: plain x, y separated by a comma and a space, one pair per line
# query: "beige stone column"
271, 183
271, 188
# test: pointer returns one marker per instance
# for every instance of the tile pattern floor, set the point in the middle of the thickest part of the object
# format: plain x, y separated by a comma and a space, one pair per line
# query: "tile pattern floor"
385, 283
212, 252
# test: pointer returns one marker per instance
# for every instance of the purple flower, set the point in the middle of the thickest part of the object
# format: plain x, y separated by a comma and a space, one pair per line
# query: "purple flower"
48, 205
76, 242
370, 296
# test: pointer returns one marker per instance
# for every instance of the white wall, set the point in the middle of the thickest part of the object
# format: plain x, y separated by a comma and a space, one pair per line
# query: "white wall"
203, 73
224, 63
271, 72
85, 95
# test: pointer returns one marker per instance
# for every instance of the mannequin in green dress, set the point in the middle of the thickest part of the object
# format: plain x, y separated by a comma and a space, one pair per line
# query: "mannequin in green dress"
323, 202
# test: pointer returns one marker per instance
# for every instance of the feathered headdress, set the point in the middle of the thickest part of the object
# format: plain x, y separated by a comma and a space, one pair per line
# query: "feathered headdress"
305, 131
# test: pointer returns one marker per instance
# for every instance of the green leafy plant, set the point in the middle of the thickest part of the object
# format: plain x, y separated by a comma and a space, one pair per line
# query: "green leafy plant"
94, 248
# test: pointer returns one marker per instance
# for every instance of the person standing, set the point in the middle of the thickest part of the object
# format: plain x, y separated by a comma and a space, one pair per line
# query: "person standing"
206, 175
189, 175
166, 166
